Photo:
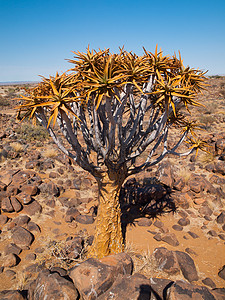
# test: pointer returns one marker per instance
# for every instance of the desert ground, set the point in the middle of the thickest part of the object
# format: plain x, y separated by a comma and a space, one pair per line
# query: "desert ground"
49, 204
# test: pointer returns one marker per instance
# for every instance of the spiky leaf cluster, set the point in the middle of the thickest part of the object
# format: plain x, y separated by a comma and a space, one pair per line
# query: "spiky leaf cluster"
108, 96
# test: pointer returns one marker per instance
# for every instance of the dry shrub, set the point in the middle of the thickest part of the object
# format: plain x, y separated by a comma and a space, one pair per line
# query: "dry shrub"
206, 158
50, 153
185, 174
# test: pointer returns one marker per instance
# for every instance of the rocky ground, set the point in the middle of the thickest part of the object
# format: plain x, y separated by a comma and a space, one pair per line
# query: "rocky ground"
173, 217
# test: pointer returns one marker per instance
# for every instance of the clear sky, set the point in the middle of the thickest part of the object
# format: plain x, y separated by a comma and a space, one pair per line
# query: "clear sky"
36, 36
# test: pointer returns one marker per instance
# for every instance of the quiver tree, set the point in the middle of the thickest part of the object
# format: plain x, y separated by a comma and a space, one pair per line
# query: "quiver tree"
106, 111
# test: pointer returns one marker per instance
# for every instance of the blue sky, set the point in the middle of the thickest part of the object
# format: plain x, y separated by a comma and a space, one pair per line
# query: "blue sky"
37, 36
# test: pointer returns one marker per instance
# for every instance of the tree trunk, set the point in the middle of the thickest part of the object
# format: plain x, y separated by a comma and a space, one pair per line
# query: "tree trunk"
108, 233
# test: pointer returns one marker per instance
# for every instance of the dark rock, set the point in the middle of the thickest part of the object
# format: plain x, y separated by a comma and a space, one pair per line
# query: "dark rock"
205, 211
128, 287
183, 222
157, 237
208, 281
62, 272
6, 205
221, 273
49, 189
184, 290
12, 190
179, 184
52, 286
72, 212
3, 220
11, 260
221, 218
170, 238
193, 235
177, 227
219, 167
12, 248
158, 224
31, 256
22, 237
94, 277
221, 236
165, 174
159, 287
212, 233
144, 222
39, 250
195, 186
33, 208
166, 260
29, 189
190, 251
33, 227
84, 219
73, 248
2, 186
24, 198
11, 295
187, 266
21, 220
16, 204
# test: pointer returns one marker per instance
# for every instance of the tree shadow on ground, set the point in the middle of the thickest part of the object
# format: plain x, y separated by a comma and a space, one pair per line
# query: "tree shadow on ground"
149, 198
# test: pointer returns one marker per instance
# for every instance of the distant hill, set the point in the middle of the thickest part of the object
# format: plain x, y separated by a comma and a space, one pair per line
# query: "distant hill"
17, 82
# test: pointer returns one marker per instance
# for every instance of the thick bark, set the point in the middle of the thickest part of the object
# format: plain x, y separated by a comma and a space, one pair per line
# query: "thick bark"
108, 233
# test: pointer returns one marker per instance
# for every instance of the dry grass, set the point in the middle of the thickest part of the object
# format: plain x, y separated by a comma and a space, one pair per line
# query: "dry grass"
185, 174
206, 158
17, 147
50, 153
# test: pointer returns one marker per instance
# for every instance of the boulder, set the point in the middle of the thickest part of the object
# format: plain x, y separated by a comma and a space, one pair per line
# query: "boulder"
187, 266
221, 273
51, 286
6, 205
22, 237
183, 290
94, 277
16, 204
11, 295
166, 260
11, 260
128, 287
170, 238
33, 208
221, 218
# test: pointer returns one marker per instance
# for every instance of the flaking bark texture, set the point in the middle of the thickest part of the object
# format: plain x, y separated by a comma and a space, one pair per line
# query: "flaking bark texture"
108, 233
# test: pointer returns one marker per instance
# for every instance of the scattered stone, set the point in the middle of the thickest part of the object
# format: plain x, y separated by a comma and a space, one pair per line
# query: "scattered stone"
221, 236
190, 251
199, 201
170, 238
183, 290
33, 227
62, 272
3, 220
11, 295
177, 227
183, 214
33, 208
39, 250
22, 237
187, 266
205, 211
193, 235
212, 233
221, 218
158, 224
52, 286
144, 222
16, 204
24, 198
127, 287
221, 273
6, 205
11, 260
208, 281
157, 237
183, 222
166, 260
12, 248
219, 167
21, 220
31, 256
84, 219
